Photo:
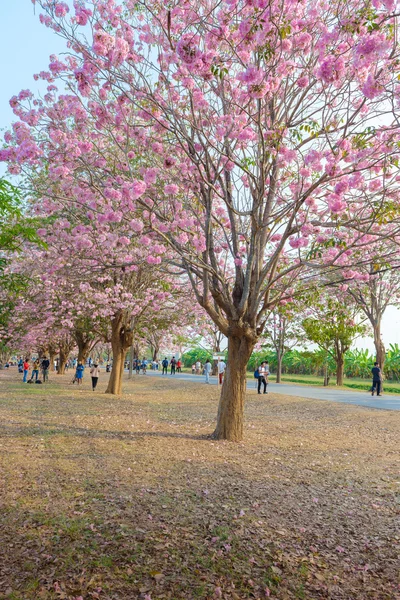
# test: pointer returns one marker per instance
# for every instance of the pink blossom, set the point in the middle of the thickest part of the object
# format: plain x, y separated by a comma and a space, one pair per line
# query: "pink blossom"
303, 81
331, 69
61, 9
187, 48
171, 189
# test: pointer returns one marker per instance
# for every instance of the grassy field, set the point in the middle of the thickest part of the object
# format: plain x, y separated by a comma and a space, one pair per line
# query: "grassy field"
123, 498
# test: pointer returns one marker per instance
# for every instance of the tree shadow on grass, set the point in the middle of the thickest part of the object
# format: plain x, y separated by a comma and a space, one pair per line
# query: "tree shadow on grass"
48, 429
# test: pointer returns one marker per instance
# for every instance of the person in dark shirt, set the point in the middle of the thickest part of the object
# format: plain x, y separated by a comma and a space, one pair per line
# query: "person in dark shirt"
45, 368
376, 379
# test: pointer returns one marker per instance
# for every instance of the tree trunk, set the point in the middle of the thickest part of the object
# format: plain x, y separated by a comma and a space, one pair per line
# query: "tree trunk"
279, 368
156, 350
326, 378
121, 340
115, 381
83, 351
379, 347
339, 369
231, 403
52, 354
63, 360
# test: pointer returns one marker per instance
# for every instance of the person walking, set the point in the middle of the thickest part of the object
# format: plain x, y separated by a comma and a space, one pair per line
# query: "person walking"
173, 365
179, 366
79, 373
376, 380
165, 366
35, 370
144, 366
221, 371
95, 372
207, 370
45, 368
198, 368
262, 377
25, 370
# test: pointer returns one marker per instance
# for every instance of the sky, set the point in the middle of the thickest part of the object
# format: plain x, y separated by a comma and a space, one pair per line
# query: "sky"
25, 47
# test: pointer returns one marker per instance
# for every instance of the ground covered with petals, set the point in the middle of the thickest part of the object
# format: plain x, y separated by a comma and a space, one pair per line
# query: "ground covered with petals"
127, 498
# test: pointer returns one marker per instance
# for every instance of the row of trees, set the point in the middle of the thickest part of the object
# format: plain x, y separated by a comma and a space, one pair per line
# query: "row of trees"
357, 363
247, 150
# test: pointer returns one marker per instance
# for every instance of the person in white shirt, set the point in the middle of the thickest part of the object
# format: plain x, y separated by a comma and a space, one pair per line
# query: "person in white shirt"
221, 371
198, 368
207, 370
263, 372
95, 372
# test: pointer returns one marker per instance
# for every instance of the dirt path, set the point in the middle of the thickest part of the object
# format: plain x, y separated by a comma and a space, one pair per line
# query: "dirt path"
126, 498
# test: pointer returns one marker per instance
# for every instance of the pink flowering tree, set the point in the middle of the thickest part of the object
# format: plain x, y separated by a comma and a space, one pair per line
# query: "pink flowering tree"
374, 288
256, 139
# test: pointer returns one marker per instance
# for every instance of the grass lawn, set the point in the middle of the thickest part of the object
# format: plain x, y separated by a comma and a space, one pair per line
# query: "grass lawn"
127, 498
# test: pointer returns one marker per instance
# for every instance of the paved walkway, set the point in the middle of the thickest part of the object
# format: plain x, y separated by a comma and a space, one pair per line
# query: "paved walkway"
388, 402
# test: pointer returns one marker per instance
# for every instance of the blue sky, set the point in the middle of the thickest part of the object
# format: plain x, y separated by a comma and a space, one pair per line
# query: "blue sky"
25, 47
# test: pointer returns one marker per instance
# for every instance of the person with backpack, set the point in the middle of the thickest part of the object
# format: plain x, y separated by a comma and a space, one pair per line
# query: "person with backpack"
173, 365
95, 372
165, 366
25, 367
263, 373
79, 373
45, 369
35, 370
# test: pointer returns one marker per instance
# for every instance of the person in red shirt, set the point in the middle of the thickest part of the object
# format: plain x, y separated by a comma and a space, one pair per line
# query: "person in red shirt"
178, 366
26, 370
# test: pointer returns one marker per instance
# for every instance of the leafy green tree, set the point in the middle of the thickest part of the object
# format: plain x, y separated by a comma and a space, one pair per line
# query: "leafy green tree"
334, 327
283, 332
15, 227
194, 354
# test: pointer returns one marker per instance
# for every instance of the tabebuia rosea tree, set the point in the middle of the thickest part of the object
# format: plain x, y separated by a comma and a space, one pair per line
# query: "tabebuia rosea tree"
257, 139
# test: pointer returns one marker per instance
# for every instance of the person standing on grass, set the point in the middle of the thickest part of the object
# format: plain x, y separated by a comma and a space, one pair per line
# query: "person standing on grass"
79, 373
45, 369
26, 370
165, 366
221, 371
207, 370
95, 372
35, 370
262, 377
173, 365
376, 380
